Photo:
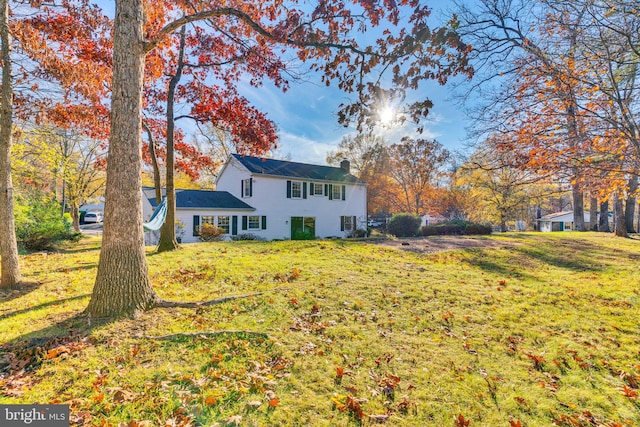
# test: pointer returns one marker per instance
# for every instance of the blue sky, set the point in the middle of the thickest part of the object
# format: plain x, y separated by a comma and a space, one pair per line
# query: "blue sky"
306, 115
309, 129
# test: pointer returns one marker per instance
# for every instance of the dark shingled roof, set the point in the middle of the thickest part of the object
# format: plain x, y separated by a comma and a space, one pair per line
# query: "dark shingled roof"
257, 165
200, 199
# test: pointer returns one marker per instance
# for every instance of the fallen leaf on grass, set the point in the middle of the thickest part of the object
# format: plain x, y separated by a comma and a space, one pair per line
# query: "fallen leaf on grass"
235, 420
629, 392
461, 422
274, 402
123, 396
57, 351
379, 418
254, 404
210, 400
133, 423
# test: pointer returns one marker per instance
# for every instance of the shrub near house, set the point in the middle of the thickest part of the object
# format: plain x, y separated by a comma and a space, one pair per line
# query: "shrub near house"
455, 227
404, 225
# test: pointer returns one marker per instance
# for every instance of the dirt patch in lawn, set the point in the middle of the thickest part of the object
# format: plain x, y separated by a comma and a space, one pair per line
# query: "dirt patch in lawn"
441, 244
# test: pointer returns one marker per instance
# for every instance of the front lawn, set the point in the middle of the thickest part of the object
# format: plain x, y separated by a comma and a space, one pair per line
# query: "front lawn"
535, 330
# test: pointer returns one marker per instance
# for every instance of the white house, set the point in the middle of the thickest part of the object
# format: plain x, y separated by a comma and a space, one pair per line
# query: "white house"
274, 199
560, 221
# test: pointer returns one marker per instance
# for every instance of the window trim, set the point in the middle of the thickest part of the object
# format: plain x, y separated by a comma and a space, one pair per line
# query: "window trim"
256, 224
336, 192
348, 223
247, 187
297, 184
227, 228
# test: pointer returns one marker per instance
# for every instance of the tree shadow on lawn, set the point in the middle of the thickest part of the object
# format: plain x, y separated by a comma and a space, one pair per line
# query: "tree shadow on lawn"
77, 250
576, 255
24, 287
490, 266
43, 305
27, 352
86, 266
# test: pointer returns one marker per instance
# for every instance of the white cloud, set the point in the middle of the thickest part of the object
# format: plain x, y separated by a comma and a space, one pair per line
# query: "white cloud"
305, 150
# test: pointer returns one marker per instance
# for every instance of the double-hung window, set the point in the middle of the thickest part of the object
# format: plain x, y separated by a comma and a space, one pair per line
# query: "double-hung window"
223, 222
253, 222
296, 189
247, 187
347, 223
316, 189
337, 192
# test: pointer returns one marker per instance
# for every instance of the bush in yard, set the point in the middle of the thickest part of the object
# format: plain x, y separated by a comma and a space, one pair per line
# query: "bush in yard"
455, 228
210, 233
477, 229
39, 225
404, 225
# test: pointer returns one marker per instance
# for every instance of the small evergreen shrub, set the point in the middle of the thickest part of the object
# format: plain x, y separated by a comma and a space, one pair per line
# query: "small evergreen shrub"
404, 225
210, 233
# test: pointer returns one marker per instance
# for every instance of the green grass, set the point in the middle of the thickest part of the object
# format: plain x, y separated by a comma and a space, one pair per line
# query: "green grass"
541, 331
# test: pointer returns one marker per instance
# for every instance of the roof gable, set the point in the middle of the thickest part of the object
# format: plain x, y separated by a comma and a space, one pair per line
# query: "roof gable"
200, 199
282, 168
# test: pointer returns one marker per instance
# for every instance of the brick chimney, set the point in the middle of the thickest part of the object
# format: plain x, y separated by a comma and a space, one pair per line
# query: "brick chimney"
345, 165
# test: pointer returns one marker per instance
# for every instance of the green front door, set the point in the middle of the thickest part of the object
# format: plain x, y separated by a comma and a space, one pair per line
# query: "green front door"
303, 228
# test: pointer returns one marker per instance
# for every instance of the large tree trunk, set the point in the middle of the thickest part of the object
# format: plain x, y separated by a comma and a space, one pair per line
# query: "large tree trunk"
620, 227
122, 285
630, 205
10, 266
168, 240
593, 213
578, 207
603, 224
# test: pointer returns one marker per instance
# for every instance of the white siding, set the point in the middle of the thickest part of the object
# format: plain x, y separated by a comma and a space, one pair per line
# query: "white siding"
269, 198
186, 216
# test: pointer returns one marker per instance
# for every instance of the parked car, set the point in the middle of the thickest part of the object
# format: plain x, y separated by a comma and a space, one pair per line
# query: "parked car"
375, 224
93, 217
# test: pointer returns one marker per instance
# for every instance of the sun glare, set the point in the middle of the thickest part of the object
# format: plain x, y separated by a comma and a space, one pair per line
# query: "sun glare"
387, 115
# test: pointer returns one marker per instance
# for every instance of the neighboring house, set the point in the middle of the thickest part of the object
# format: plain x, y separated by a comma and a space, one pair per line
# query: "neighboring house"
431, 220
274, 199
560, 221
